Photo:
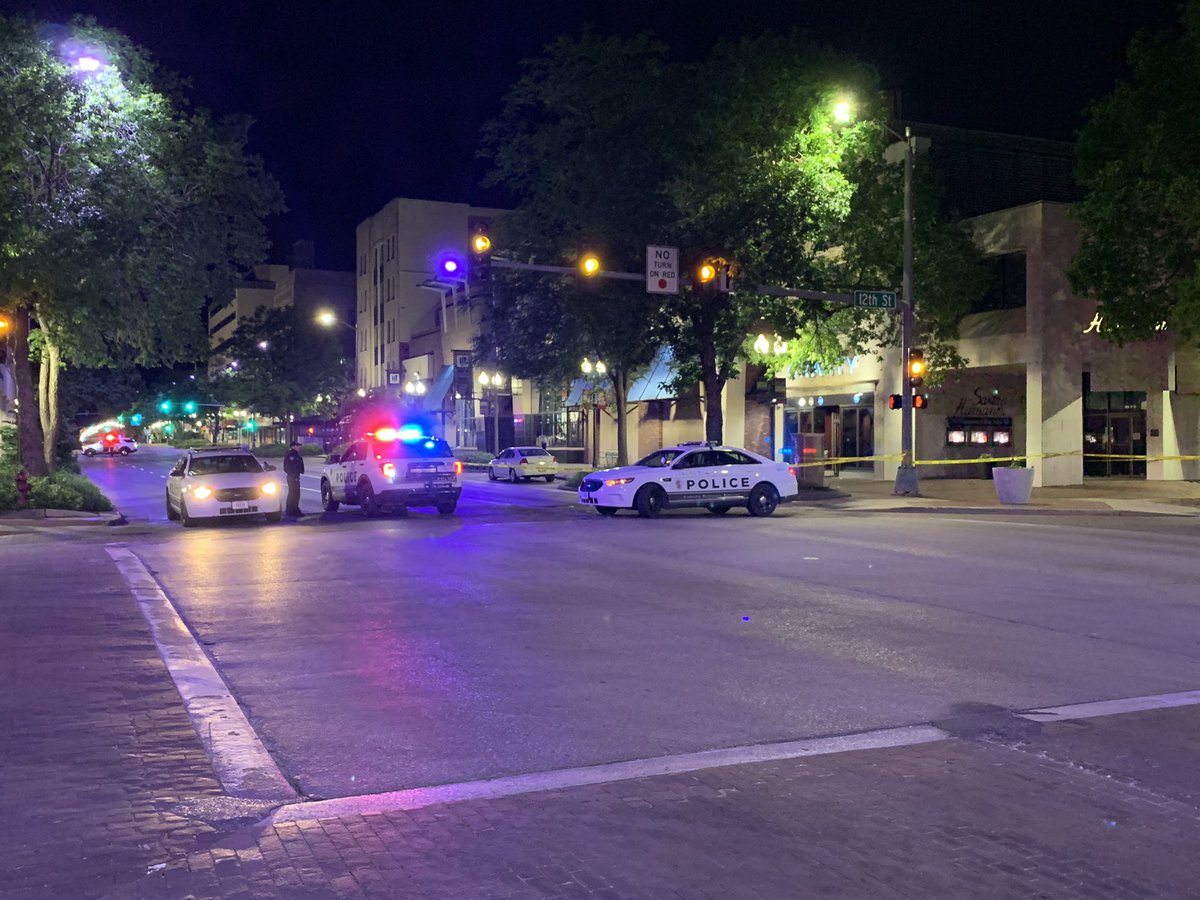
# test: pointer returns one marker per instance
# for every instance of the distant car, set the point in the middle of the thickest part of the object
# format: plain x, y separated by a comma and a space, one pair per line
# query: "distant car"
393, 468
222, 484
523, 463
111, 443
715, 477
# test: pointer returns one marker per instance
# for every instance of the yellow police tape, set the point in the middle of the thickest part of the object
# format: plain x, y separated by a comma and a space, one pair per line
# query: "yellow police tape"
896, 457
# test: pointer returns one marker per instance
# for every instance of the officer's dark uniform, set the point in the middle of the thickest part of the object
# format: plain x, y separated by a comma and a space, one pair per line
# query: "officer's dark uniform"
293, 467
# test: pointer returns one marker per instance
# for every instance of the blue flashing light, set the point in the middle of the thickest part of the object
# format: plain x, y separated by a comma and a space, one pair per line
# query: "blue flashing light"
452, 266
429, 445
411, 433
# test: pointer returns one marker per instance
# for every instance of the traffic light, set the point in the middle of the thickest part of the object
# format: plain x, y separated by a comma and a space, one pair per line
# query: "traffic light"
168, 428
895, 401
166, 406
920, 401
479, 248
189, 407
916, 368
136, 419
714, 275
251, 425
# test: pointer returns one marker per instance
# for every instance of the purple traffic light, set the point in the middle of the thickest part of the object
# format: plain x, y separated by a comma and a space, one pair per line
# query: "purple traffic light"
451, 266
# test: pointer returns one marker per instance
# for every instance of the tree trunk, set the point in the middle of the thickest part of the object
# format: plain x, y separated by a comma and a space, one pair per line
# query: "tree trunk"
29, 433
620, 383
48, 401
714, 418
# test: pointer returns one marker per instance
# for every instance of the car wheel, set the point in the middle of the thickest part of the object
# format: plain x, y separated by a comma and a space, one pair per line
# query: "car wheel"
763, 500
172, 516
650, 501
327, 502
491, 474
274, 517
718, 510
188, 521
549, 479
89, 452
606, 510
366, 499
448, 507
124, 451
512, 475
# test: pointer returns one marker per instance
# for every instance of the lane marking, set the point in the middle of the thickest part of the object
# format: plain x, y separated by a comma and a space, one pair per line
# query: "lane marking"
493, 788
1112, 707
239, 759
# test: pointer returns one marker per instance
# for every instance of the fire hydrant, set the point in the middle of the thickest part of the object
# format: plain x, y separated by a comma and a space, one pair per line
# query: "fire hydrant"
22, 489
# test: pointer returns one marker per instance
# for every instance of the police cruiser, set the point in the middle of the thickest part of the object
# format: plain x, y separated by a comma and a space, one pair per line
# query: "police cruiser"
394, 468
715, 477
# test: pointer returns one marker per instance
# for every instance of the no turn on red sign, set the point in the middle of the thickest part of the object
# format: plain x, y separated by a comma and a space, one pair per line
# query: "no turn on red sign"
662, 270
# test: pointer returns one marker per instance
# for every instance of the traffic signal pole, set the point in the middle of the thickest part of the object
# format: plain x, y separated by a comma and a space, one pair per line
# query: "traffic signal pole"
906, 475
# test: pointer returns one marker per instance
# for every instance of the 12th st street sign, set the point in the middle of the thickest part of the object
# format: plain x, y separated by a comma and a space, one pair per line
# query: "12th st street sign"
875, 299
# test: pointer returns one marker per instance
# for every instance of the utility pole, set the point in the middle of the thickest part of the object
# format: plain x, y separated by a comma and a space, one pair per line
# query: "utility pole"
906, 475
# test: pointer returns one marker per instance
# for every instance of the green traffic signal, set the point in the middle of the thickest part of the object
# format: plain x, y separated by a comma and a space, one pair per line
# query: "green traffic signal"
166, 406
189, 407
169, 428
251, 425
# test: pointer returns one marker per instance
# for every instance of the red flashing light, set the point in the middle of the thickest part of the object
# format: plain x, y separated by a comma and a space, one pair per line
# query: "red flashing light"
810, 451
387, 434
110, 438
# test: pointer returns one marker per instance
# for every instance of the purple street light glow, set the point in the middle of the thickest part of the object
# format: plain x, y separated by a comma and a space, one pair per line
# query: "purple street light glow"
88, 64
451, 266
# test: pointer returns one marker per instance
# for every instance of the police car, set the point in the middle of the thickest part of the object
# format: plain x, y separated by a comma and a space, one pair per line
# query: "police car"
394, 468
715, 477
111, 443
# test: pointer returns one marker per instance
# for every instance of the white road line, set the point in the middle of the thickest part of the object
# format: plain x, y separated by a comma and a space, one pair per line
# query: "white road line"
238, 757
905, 736
1112, 707
604, 774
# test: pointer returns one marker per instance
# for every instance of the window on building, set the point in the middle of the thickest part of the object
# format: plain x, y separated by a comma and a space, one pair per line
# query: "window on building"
1006, 283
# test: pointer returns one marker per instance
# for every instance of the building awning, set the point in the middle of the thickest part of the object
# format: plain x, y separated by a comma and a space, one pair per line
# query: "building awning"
435, 396
655, 383
575, 396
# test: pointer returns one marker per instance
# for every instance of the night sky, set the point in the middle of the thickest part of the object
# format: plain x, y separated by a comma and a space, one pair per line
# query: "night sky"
359, 102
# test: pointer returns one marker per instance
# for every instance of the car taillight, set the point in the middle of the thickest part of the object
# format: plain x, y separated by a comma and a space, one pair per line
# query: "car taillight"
458, 467
388, 470
793, 471
524, 461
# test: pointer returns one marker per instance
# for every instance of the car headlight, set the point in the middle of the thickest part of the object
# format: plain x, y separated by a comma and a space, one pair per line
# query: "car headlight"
269, 489
613, 482
201, 492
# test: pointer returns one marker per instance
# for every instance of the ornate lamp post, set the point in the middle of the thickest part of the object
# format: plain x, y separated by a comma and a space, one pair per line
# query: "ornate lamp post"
596, 369
491, 382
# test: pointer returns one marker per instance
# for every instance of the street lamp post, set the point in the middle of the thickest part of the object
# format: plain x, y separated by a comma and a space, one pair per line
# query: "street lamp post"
588, 369
492, 381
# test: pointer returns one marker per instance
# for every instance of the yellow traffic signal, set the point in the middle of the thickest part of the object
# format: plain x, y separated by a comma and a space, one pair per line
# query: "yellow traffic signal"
916, 367
481, 243
706, 273
4, 324
589, 265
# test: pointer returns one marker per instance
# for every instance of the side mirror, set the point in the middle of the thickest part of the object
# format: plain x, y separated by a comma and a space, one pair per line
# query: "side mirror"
333, 457
268, 467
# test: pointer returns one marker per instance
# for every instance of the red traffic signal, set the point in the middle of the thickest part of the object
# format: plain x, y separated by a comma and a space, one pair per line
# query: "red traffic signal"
895, 401
920, 401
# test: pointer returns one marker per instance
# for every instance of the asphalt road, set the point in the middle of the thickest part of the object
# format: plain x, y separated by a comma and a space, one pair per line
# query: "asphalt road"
525, 633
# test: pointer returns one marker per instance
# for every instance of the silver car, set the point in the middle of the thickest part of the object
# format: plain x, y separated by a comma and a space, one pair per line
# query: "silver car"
522, 464
222, 484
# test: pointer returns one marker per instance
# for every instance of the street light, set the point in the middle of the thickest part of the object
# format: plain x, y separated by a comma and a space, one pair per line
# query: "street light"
327, 318
599, 369
415, 388
493, 381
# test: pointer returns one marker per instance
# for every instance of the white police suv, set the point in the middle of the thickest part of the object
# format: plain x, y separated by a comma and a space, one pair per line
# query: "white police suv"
395, 468
715, 477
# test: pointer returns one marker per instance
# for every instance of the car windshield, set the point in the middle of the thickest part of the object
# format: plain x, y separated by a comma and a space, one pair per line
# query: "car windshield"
423, 448
659, 458
223, 465
532, 451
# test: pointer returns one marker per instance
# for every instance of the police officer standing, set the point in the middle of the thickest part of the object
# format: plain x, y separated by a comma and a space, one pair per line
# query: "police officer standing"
293, 467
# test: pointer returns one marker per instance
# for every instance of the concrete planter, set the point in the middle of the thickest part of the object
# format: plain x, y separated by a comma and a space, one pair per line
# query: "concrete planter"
1013, 485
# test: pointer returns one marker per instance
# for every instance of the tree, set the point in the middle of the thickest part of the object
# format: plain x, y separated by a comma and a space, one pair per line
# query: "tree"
124, 212
563, 145
1137, 159
738, 158
286, 366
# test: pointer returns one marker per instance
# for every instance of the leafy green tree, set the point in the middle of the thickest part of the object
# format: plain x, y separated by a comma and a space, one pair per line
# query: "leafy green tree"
122, 213
286, 365
1136, 157
584, 141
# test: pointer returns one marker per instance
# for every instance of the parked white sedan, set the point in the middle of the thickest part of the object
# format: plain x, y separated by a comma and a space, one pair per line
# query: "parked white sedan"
715, 477
523, 463
222, 484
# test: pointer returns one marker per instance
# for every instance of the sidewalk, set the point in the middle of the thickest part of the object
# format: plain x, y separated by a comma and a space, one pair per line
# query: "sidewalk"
1095, 495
